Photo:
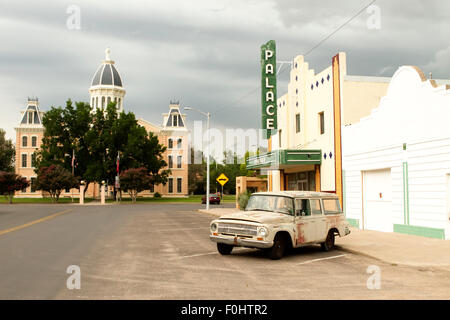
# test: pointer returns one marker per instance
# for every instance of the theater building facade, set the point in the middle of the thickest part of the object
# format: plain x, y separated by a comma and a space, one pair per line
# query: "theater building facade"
305, 153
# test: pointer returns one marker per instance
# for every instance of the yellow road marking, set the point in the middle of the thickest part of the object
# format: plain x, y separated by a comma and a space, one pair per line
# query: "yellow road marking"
2, 232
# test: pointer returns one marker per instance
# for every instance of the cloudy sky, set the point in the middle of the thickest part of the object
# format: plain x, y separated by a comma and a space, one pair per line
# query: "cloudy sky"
204, 53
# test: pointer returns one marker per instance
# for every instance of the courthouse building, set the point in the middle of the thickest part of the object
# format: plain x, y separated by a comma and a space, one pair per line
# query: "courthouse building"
107, 86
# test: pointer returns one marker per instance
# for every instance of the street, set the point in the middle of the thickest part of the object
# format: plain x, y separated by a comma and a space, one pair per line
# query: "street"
162, 251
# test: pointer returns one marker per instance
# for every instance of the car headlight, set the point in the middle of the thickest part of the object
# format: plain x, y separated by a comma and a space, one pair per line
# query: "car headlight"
262, 232
214, 227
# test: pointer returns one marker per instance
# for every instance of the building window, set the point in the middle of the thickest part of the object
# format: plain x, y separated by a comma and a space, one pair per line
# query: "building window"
170, 143
92, 103
108, 101
33, 160
179, 184
24, 141
322, 123
120, 104
297, 123
103, 102
34, 141
170, 162
170, 185
96, 102
179, 143
175, 120
33, 184
30, 117
24, 189
179, 162
24, 160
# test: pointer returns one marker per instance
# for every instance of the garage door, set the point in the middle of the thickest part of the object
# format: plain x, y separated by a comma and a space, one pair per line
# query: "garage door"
377, 197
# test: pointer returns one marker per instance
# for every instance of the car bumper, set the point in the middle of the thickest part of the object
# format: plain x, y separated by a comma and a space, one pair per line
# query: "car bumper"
242, 242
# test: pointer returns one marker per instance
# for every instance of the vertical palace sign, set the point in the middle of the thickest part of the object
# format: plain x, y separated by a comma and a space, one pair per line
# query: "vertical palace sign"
269, 88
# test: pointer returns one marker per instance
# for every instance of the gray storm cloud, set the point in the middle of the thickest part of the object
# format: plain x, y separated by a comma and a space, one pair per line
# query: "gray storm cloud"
204, 53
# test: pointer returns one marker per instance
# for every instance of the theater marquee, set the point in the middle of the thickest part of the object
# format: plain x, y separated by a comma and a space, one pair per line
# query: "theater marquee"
269, 88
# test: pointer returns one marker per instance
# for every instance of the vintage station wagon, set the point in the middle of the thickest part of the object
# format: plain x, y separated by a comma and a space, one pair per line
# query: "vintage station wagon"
277, 220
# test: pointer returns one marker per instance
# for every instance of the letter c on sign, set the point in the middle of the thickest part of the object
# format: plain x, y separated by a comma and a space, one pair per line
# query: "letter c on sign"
270, 112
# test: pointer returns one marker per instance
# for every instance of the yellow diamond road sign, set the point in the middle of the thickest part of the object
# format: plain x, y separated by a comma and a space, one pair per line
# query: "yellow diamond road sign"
222, 179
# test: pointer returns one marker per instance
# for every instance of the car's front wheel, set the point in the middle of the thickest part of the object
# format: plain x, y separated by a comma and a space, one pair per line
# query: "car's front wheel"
279, 245
224, 249
329, 242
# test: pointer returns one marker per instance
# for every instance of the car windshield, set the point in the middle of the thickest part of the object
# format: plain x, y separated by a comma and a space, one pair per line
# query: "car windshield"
270, 203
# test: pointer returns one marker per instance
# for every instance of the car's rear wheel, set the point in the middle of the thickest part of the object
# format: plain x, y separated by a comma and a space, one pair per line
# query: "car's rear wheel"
329, 242
279, 246
224, 249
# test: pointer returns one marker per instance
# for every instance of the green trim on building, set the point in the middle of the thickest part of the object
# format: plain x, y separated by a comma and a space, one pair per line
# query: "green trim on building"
285, 157
405, 194
420, 231
353, 222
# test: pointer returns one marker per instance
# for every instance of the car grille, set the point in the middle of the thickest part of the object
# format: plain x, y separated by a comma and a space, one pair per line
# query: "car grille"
237, 229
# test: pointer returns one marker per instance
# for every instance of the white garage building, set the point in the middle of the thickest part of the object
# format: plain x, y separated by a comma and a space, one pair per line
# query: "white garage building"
396, 161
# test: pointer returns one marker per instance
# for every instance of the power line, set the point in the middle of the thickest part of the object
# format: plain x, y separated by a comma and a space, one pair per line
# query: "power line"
310, 50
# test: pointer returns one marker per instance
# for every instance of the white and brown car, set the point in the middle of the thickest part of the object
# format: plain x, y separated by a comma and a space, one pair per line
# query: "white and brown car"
277, 220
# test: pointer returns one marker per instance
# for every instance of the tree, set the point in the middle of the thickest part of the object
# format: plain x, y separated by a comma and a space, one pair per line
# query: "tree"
7, 153
11, 182
134, 181
65, 135
196, 173
54, 179
96, 139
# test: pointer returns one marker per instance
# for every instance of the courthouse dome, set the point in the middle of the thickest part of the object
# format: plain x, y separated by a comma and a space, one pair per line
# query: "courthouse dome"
107, 74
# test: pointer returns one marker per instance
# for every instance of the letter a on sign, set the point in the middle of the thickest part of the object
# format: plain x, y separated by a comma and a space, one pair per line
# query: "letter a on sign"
269, 88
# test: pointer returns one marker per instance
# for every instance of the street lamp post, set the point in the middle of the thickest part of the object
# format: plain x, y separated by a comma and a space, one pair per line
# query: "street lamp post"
208, 116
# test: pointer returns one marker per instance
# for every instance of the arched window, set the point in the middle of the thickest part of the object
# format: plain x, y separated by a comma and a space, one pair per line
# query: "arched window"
34, 141
179, 143
96, 102
109, 100
170, 143
103, 102
120, 104
24, 141
92, 104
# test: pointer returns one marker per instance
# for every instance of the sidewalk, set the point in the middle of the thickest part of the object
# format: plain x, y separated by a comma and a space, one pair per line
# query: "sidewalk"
389, 247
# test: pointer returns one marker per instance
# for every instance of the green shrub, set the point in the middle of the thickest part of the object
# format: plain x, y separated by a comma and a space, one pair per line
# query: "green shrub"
157, 195
243, 199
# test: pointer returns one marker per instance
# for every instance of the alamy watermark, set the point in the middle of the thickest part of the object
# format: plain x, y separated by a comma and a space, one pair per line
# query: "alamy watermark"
74, 280
374, 281
374, 20
73, 21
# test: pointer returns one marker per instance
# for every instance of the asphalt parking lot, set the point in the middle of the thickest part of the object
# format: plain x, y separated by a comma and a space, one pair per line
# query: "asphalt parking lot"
162, 251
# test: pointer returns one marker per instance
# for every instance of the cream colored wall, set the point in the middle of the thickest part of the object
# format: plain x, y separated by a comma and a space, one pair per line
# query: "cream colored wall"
310, 104
361, 97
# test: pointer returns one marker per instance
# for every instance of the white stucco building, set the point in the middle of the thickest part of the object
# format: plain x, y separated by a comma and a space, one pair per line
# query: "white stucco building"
396, 161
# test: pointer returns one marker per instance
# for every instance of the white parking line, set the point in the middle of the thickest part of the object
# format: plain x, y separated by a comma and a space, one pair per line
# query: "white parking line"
207, 254
327, 258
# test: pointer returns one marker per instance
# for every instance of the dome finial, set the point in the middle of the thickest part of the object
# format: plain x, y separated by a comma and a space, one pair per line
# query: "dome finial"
107, 52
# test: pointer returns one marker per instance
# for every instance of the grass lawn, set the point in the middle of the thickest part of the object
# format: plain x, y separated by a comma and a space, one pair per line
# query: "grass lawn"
5, 200
191, 199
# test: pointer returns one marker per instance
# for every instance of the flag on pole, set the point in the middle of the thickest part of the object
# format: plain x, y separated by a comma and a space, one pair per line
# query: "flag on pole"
118, 161
73, 160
